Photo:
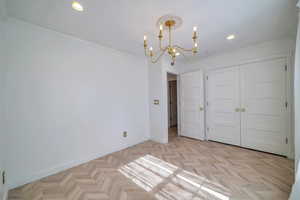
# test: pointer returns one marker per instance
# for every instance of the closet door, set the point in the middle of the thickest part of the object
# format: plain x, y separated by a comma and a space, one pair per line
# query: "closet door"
223, 100
264, 113
192, 108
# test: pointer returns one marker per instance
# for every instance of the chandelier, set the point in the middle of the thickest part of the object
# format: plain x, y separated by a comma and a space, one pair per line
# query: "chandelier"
169, 23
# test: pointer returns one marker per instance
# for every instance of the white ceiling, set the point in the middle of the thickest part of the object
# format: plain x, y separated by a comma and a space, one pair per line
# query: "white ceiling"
121, 24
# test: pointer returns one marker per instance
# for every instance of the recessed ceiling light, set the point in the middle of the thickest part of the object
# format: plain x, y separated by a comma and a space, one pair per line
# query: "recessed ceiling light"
77, 6
230, 37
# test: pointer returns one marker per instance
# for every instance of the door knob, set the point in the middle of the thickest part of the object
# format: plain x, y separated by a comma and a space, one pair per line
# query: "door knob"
237, 110
201, 108
243, 110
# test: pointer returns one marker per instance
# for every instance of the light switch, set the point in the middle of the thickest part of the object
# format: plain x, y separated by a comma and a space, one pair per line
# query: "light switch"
125, 134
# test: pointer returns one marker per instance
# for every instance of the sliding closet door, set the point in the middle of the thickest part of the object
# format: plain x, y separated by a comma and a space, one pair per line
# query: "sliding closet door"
192, 108
223, 103
264, 113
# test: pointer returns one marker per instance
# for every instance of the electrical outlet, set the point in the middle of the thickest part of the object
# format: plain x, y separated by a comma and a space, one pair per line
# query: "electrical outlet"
125, 134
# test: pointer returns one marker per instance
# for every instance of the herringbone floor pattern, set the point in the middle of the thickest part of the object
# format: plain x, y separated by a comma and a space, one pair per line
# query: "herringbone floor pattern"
182, 169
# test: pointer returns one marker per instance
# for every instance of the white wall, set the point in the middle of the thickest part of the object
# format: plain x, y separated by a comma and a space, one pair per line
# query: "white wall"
155, 93
264, 50
297, 97
296, 187
3, 190
2, 133
158, 89
2, 9
68, 101
1, 107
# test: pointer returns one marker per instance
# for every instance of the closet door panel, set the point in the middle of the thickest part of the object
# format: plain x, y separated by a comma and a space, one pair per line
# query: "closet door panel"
192, 100
223, 99
263, 96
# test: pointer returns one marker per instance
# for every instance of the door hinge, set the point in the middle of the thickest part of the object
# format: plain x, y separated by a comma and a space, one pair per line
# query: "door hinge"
207, 103
286, 140
206, 77
285, 67
207, 129
286, 104
3, 178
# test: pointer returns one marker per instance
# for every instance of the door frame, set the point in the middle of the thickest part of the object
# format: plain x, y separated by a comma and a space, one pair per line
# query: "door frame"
289, 94
178, 100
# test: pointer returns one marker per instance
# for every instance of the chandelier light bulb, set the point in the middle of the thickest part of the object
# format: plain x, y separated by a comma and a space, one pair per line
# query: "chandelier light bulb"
151, 49
195, 28
177, 54
145, 37
196, 45
230, 37
161, 27
77, 6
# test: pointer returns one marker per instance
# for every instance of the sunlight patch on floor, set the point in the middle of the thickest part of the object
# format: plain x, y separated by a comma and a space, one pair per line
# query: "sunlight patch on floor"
142, 177
173, 191
168, 182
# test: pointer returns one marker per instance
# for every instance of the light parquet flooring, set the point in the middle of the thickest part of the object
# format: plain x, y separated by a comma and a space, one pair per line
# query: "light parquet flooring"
173, 133
182, 169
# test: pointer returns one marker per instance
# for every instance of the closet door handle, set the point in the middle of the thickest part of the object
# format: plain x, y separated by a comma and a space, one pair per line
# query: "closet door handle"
237, 110
201, 108
243, 110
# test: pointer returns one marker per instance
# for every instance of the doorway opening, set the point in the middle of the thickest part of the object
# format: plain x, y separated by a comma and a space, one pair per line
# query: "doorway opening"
172, 106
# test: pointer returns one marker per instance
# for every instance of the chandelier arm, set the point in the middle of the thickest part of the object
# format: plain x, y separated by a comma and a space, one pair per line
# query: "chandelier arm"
146, 52
158, 51
181, 48
160, 46
162, 53
182, 52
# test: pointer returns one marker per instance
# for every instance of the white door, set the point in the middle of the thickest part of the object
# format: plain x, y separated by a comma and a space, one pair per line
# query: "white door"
223, 124
192, 105
263, 98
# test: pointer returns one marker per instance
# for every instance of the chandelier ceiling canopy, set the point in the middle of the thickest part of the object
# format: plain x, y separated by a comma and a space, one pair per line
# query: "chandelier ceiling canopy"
169, 23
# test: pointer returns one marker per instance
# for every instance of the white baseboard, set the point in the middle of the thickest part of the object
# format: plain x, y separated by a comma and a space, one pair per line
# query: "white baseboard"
4, 195
295, 194
59, 168
50, 171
